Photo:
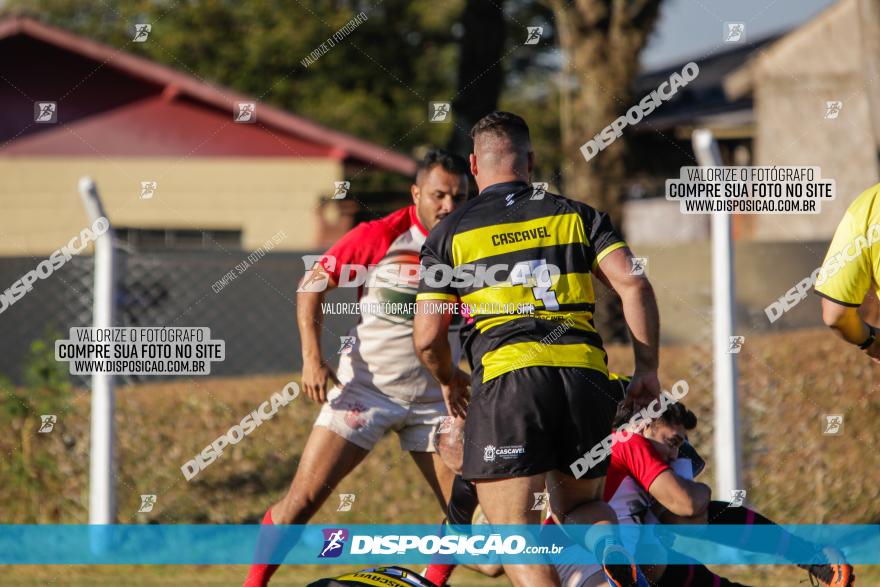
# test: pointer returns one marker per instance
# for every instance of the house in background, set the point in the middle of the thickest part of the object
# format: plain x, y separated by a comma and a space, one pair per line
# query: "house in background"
812, 107
125, 120
767, 103
661, 143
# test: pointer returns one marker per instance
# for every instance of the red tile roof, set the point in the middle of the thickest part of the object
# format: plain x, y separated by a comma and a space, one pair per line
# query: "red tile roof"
299, 136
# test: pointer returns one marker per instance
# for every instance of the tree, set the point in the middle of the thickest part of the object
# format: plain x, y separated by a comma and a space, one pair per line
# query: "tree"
480, 72
601, 41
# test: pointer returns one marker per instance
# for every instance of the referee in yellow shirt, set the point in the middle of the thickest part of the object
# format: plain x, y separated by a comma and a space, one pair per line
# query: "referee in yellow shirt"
850, 270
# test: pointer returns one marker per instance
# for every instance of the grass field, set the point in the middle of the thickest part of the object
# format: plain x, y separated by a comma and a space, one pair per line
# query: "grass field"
793, 473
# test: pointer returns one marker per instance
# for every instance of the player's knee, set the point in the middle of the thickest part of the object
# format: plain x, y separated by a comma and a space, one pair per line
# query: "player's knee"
492, 570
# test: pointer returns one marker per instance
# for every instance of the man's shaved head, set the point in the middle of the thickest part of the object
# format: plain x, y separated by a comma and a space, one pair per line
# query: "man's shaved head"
502, 145
501, 138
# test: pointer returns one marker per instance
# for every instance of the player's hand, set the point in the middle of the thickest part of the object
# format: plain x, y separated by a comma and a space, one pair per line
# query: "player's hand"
316, 375
457, 393
873, 351
643, 389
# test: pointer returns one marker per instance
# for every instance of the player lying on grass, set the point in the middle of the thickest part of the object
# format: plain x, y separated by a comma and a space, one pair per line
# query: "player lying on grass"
380, 384
651, 480
651, 459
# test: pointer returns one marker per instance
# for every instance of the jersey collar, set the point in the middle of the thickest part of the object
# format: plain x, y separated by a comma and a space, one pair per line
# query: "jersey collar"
504, 187
415, 219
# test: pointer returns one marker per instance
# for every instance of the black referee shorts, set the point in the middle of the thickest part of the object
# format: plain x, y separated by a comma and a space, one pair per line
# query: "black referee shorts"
537, 419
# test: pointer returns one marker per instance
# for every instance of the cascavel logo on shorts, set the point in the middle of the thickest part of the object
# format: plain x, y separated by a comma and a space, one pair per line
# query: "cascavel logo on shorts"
510, 452
490, 453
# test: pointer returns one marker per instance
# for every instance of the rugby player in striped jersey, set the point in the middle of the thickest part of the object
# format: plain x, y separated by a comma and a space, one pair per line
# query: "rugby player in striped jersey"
541, 395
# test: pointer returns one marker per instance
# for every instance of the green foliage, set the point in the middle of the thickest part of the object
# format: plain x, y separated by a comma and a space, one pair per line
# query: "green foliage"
31, 468
46, 380
13, 404
46, 383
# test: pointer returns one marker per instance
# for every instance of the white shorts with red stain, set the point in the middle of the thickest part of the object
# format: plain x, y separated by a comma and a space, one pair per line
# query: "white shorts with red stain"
363, 416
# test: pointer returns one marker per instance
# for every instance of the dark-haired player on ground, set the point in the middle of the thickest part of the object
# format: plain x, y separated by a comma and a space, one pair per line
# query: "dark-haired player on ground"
648, 483
541, 394
637, 461
380, 384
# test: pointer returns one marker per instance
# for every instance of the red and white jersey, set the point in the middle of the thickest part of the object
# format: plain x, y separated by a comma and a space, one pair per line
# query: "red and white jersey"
634, 465
382, 357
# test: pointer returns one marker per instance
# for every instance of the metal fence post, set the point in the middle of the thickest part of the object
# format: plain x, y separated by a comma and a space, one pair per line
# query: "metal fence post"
102, 494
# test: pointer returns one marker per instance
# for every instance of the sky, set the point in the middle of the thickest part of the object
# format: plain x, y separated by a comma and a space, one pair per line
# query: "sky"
687, 27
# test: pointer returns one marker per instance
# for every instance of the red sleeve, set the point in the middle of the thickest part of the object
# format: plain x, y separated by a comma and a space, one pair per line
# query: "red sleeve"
640, 459
365, 244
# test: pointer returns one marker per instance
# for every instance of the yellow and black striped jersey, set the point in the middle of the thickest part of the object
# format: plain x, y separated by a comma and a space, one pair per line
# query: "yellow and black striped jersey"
522, 262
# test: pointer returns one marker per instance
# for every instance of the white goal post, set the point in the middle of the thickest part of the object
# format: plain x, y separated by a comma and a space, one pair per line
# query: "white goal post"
102, 493
728, 476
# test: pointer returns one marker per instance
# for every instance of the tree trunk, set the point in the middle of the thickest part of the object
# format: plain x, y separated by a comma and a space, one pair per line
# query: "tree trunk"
600, 41
480, 71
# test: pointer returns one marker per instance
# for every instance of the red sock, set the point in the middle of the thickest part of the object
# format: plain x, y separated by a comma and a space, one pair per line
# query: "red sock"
438, 574
260, 573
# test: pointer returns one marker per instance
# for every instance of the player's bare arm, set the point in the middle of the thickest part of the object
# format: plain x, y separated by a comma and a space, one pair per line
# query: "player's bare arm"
846, 323
317, 373
681, 496
642, 318
431, 341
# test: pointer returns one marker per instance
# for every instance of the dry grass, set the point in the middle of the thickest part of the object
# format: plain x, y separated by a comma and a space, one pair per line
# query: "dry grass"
793, 473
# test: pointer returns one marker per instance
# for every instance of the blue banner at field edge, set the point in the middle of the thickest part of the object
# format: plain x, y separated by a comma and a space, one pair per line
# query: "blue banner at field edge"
378, 544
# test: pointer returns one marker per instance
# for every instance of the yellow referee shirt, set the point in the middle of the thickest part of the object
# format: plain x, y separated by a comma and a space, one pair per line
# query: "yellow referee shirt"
852, 264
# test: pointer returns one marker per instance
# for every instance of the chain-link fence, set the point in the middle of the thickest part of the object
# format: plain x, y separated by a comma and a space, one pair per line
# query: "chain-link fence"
254, 312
